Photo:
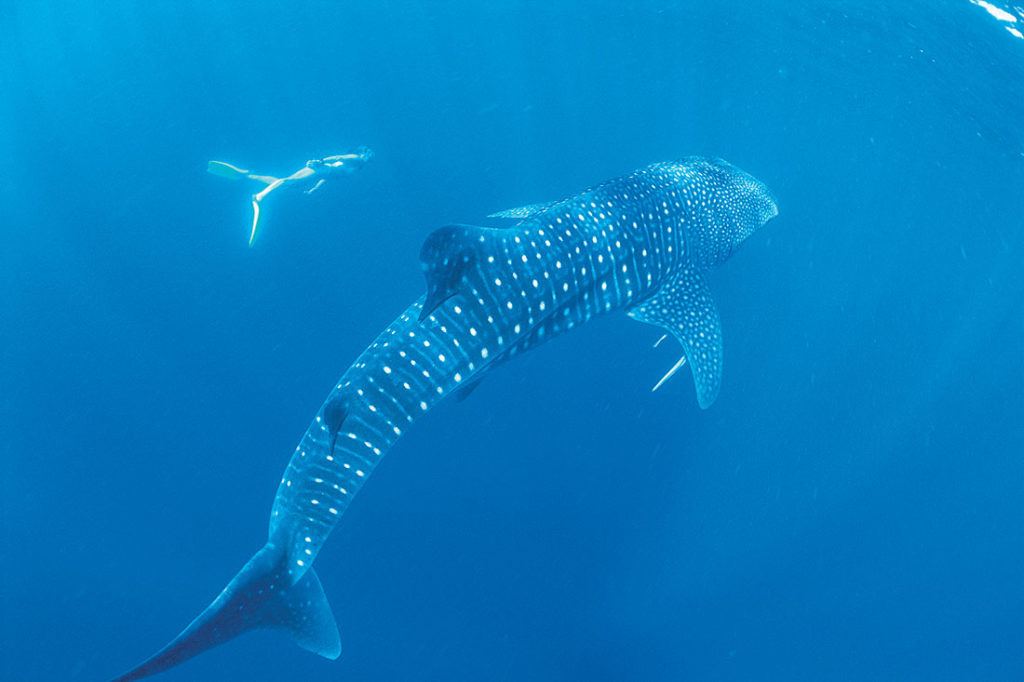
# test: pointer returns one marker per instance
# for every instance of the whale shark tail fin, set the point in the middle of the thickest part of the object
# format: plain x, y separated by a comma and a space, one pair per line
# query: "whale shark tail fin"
260, 596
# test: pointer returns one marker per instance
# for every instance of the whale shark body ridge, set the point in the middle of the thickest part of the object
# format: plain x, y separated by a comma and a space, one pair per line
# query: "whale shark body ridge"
524, 212
639, 243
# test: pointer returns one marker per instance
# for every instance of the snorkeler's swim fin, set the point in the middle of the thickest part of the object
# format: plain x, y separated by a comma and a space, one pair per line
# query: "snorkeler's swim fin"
255, 220
226, 170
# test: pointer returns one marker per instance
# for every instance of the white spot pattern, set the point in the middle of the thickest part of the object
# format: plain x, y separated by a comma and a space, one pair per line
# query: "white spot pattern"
628, 243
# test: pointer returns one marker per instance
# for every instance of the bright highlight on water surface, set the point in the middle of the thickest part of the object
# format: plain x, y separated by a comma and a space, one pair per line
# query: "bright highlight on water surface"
1001, 15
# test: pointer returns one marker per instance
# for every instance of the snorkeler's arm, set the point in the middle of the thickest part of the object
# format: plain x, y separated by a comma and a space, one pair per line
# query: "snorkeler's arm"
315, 187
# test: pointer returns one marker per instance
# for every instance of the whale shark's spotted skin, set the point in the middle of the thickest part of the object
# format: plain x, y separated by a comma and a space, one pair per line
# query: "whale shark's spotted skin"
617, 245
640, 243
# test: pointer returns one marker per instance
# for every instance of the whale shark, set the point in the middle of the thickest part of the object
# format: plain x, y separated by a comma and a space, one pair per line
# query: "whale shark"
641, 243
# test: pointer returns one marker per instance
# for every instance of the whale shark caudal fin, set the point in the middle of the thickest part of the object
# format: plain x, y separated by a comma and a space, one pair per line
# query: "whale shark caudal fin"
226, 170
684, 308
452, 255
260, 596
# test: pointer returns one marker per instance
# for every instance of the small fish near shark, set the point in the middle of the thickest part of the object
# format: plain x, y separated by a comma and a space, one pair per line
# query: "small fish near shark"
640, 243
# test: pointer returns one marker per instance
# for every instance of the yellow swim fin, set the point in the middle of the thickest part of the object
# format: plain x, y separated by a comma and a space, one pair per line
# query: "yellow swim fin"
226, 170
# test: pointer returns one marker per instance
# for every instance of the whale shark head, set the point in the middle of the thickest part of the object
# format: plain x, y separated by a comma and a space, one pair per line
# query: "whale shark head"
736, 205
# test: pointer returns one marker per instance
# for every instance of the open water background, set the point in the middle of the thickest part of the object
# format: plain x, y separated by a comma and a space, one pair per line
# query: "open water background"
851, 508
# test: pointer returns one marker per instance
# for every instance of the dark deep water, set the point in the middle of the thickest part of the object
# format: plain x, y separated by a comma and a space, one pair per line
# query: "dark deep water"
851, 508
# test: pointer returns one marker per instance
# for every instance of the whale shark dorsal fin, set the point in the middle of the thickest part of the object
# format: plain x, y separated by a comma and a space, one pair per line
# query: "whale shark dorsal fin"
683, 307
335, 412
464, 392
523, 212
449, 256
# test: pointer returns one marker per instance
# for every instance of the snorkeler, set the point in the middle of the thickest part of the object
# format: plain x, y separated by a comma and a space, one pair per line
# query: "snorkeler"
313, 174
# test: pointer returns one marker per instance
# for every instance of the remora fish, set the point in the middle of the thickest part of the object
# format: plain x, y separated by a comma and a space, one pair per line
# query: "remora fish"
641, 243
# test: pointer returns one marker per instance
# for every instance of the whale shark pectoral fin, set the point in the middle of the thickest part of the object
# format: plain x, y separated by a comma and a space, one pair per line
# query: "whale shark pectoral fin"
260, 596
449, 256
523, 212
684, 308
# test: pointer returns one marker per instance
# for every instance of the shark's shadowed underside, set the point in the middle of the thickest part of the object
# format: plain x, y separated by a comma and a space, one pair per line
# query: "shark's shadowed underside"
641, 243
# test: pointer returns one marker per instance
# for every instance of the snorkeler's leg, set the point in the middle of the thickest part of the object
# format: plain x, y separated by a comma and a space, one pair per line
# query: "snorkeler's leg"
301, 174
265, 179
256, 213
277, 182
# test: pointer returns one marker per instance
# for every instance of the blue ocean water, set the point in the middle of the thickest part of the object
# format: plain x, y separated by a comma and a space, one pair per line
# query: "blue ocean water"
852, 506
